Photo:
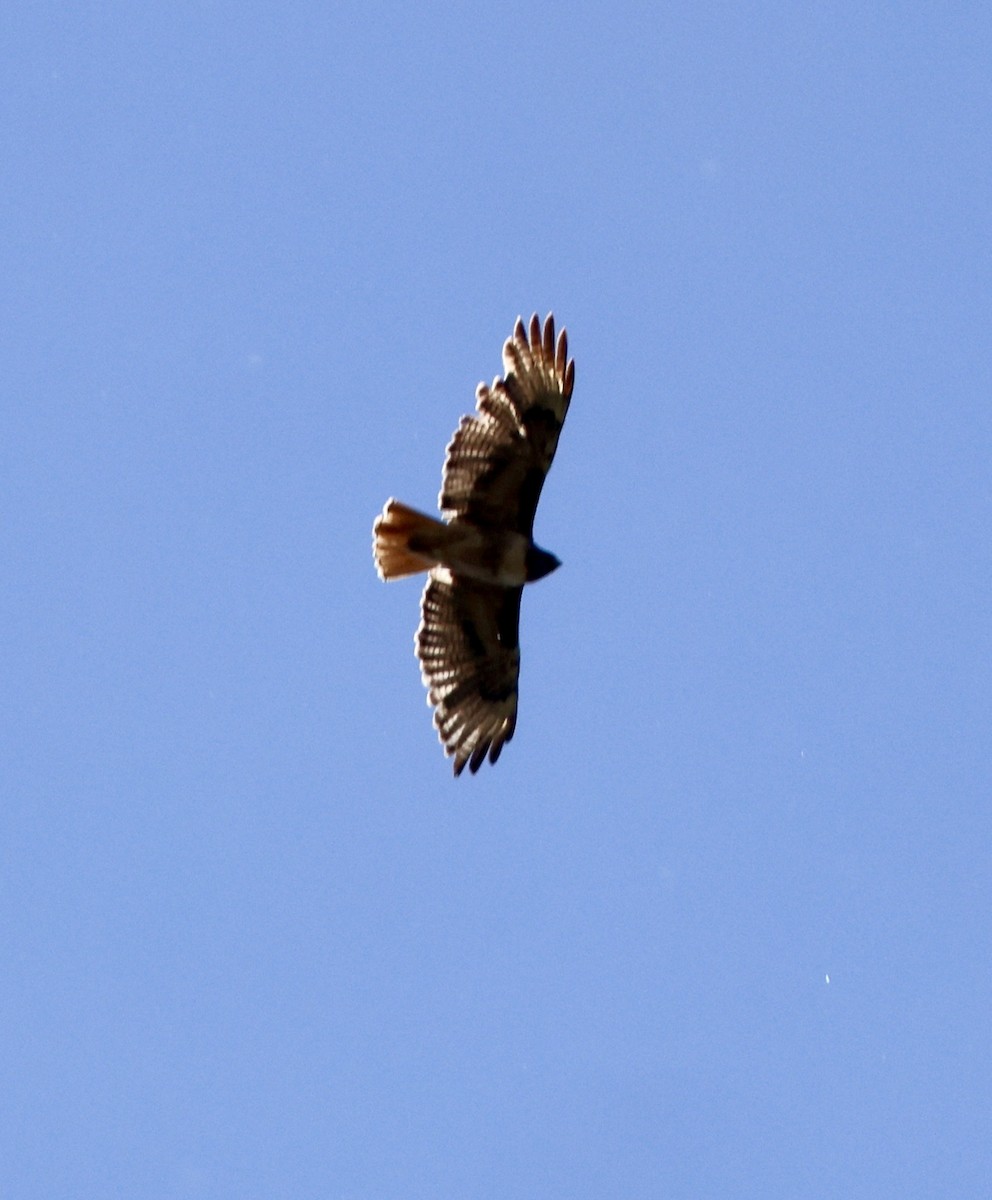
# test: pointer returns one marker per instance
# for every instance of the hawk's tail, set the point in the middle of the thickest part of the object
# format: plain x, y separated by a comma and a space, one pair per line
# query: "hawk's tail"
402, 541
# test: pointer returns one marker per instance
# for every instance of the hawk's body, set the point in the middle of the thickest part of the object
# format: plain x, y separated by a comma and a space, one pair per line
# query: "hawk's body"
481, 555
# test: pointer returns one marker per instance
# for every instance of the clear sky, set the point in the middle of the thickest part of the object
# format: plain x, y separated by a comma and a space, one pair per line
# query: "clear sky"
717, 926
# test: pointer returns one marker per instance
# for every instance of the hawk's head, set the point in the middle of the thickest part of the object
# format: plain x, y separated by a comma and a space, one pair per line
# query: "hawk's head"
539, 563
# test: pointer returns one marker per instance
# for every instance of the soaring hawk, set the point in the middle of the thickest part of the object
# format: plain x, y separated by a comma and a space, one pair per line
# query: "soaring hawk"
481, 554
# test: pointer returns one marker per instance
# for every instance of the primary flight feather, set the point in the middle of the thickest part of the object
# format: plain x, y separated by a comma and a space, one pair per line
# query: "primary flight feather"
481, 554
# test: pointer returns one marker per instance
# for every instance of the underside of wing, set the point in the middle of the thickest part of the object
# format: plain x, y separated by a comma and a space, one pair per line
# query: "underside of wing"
497, 461
469, 654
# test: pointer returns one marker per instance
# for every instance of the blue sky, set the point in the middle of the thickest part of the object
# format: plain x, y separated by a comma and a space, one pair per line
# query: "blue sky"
717, 925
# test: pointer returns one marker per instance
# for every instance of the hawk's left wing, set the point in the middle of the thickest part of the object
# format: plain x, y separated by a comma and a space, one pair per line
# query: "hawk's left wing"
468, 646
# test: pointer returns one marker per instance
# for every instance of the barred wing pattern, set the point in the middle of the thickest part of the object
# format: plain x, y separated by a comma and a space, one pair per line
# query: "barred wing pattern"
497, 461
470, 661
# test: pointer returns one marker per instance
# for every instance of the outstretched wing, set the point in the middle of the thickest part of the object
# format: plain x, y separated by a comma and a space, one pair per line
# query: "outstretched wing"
497, 461
469, 653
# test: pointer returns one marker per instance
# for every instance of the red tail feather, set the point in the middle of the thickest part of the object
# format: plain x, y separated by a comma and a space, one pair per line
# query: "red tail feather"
392, 534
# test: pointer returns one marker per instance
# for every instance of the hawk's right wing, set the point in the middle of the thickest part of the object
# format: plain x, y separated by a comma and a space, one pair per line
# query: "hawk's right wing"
497, 461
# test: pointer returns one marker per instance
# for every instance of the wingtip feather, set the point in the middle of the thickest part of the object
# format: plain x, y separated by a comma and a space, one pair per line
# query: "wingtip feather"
549, 337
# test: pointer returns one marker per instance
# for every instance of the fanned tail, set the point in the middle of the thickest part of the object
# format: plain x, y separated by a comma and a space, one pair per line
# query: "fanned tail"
402, 541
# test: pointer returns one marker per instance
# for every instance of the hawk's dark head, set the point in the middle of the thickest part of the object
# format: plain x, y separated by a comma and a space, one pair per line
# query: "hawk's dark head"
539, 563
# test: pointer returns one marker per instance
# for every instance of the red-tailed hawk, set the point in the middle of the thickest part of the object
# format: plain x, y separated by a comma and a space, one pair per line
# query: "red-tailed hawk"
481, 554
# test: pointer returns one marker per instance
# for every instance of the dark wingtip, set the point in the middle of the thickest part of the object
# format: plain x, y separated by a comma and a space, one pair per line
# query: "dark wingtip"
478, 756
549, 337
